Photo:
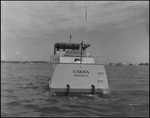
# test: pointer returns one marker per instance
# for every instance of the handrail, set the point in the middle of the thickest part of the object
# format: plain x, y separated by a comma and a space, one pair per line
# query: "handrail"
96, 57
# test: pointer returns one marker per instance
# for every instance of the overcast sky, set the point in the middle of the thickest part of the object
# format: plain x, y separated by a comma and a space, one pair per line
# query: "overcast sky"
117, 30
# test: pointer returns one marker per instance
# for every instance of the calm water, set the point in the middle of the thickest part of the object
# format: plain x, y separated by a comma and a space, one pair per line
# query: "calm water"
24, 92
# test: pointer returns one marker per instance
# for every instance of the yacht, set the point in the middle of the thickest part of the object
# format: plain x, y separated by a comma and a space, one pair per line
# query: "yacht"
74, 71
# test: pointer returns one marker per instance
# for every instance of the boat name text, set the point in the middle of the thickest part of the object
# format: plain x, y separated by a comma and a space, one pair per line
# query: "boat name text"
81, 71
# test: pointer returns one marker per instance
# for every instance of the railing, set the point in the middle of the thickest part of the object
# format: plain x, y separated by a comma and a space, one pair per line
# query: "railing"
97, 58
54, 58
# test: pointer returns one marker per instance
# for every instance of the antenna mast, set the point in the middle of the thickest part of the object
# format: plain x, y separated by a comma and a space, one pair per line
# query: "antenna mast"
86, 22
86, 16
70, 38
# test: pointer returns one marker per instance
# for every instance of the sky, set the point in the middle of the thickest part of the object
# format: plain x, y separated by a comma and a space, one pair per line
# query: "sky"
117, 30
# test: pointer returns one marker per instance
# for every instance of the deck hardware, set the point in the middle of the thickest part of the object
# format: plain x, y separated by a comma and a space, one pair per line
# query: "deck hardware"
68, 90
93, 89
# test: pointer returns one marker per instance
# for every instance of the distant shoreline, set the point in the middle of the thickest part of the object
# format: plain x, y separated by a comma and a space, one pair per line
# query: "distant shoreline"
24, 61
140, 64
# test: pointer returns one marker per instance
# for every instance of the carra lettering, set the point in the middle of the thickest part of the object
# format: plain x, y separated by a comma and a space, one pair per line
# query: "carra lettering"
81, 71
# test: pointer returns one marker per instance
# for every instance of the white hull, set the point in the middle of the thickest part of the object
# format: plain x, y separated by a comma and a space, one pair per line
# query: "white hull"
80, 78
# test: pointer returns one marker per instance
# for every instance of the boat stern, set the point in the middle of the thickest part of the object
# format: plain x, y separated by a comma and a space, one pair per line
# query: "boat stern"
79, 78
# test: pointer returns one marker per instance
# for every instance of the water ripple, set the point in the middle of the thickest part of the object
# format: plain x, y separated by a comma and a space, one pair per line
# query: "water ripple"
25, 93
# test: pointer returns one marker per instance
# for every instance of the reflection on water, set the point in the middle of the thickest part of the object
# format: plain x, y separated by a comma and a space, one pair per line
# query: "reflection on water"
24, 92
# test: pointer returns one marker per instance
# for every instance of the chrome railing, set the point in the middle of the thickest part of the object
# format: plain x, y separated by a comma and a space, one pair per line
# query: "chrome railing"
97, 58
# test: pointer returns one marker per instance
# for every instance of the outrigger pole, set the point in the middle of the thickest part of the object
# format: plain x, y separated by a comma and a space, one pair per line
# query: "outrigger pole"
86, 22
81, 48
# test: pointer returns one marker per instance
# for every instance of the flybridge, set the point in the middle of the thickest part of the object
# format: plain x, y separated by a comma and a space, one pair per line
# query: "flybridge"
66, 45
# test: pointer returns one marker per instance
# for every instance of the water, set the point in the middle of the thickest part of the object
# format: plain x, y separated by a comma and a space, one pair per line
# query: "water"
24, 92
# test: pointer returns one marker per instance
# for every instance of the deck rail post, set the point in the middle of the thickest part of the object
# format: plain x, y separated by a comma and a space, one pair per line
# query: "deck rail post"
93, 89
68, 90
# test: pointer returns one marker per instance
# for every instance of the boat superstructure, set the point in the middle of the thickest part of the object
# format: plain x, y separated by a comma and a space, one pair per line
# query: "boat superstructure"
75, 71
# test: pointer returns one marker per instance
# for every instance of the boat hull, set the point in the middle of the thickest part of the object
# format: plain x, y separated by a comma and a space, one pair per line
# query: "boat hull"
81, 78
